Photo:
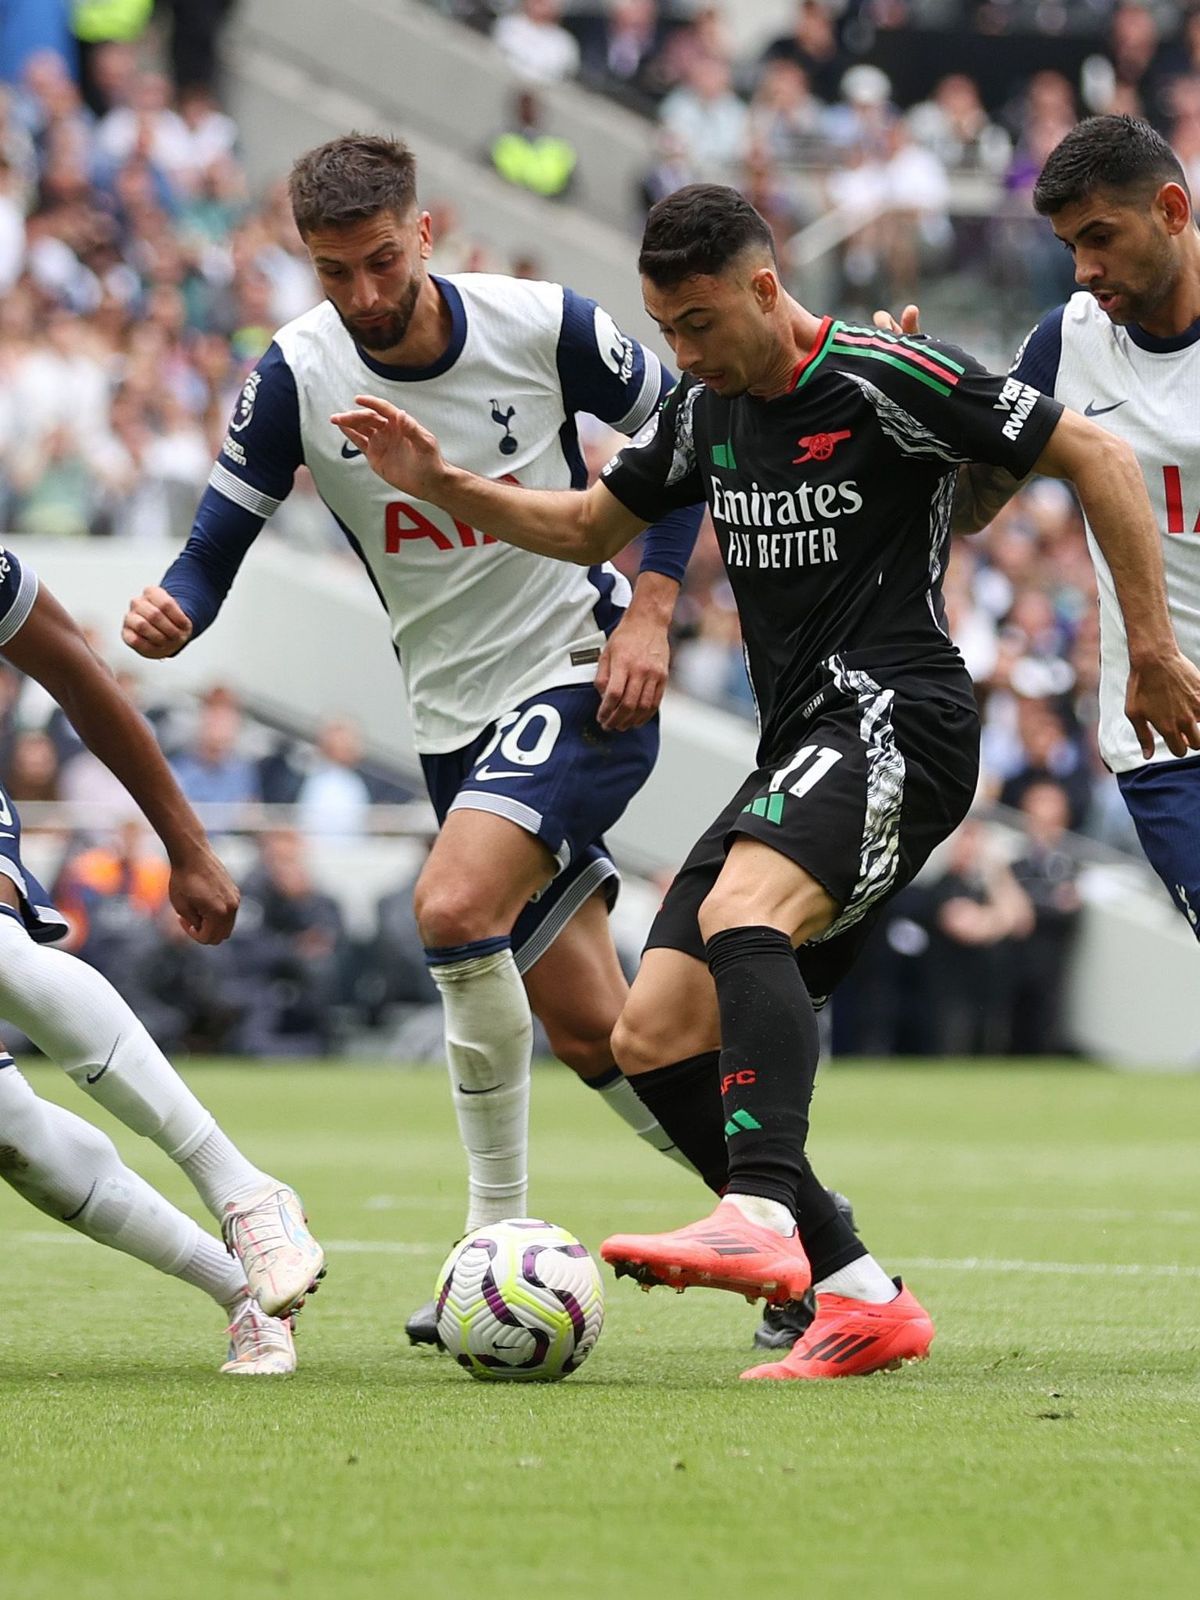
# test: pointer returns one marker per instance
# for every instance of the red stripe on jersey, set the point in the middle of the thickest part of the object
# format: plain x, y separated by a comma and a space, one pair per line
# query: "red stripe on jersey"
902, 352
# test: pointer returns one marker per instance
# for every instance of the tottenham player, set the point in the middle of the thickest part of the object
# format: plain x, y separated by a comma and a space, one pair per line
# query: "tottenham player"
59, 1162
827, 455
1126, 351
533, 704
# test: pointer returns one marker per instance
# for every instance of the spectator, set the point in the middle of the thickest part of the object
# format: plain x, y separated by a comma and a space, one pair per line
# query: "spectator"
813, 46
334, 798
534, 43
786, 118
212, 770
529, 158
1047, 755
1047, 871
709, 120
978, 909
672, 169
621, 54
285, 956
955, 126
31, 771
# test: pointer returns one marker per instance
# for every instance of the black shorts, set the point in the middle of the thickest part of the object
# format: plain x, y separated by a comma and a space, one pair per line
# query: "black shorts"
876, 783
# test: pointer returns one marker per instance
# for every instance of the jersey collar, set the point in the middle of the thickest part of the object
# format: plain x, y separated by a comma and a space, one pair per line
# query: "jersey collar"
1163, 347
458, 337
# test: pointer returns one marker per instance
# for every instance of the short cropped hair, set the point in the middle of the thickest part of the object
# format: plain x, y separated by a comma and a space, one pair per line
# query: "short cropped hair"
1120, 154
697, 232
351, 179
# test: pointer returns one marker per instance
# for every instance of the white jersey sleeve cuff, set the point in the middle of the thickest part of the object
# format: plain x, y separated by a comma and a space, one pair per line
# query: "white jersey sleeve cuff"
250, 499
643, 407
18, 613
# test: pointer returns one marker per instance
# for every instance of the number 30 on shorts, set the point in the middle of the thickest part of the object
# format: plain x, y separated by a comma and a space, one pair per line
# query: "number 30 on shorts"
524, 738
812, 763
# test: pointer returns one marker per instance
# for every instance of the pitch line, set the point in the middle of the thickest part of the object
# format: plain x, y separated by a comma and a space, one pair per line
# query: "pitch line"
1061, 1269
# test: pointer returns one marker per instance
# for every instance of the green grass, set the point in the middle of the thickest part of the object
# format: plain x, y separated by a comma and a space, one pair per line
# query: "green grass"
1050, 1448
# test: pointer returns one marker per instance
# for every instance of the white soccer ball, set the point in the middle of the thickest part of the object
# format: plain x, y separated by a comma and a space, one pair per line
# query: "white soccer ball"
520, 1299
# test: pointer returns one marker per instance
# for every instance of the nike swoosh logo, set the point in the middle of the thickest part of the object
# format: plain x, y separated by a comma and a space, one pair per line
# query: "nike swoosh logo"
7, 836
349, 452
1093, 410
86, 1198
462, 1089
490, 777
94, 1077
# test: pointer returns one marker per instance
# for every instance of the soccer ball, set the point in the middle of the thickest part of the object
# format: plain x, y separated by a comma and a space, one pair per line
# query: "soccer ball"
519, 1299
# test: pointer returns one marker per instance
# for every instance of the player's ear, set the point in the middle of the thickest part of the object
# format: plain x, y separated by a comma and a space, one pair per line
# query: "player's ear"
764, 285
1173, 206
425, 235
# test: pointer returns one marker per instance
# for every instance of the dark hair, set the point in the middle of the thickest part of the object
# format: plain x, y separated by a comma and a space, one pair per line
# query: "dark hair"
1123, 154
698, 231
351, 179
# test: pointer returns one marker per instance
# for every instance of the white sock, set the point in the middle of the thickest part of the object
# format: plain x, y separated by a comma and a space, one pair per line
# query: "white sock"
76, 1017
771, 1214
863, 1279
72, 1172
620, 1096
489, 1040
221, 1172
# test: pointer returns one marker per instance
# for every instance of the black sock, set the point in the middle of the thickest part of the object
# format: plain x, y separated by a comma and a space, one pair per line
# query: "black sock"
769, 1049
686, 1099
828, 1239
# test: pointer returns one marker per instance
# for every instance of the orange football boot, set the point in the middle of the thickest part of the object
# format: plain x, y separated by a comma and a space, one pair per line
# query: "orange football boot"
725, 1251
849, 1338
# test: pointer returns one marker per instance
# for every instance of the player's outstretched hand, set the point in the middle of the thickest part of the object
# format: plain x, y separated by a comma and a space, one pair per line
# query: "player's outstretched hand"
910, 321
632, 674
398, 448
1165, 695
156, 626
205, 897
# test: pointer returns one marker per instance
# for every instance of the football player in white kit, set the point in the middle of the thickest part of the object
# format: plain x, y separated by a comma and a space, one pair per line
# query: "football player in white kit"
57, 1161
1125, 351
533, 686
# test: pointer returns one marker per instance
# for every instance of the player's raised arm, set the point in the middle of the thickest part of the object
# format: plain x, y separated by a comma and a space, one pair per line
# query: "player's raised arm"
1164, 687
50, 647
583, 526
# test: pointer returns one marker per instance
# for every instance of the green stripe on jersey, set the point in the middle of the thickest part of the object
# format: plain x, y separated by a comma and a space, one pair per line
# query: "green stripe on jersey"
936, 356
906, 367
816, 361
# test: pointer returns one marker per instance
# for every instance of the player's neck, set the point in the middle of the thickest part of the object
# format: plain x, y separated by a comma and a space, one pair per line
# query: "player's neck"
798, 330
428, 334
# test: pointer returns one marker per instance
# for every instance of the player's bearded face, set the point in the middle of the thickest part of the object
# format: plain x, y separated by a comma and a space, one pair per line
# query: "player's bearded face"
1123, 257
372, 273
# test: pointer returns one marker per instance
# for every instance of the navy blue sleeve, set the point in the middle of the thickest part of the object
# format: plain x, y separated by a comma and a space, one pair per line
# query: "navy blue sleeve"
251, 477
667, 544
1036, 362
200, 576
603, 371
263, 447
18, 591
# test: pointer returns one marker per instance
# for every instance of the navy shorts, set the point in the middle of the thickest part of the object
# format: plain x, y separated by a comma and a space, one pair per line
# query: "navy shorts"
548, 766
38, 917
1163, 798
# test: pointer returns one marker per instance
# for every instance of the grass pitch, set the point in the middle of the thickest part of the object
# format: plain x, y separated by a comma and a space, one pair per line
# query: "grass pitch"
1050, 1448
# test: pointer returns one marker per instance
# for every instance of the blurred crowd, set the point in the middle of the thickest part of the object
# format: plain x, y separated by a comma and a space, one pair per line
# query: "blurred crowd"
920, 124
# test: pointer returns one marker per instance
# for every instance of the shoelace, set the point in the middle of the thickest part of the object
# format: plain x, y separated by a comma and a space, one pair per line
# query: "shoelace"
264, 1238
265, 1338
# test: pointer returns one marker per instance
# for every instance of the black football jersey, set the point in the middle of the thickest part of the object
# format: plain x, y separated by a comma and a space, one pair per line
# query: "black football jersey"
832, 506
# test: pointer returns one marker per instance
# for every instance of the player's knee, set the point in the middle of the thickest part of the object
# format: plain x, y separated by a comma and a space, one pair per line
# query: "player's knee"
585, 1046
641, 1041
451, 913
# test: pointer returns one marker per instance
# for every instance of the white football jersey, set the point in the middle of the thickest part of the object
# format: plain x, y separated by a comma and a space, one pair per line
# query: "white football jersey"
1147, 391
479, 626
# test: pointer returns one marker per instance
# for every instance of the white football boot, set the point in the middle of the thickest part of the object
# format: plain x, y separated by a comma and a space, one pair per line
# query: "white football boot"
259, 1345
281, 1259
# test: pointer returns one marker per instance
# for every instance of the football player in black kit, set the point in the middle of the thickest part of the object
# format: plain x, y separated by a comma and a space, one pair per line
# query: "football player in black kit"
827, 455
